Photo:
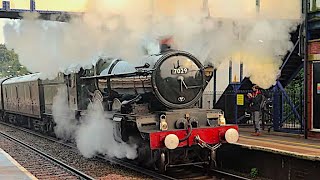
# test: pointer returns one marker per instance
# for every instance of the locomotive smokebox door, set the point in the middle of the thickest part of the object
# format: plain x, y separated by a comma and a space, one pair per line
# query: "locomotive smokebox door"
178, 80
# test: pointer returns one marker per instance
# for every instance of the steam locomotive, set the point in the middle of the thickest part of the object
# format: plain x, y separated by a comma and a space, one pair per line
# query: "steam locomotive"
155, 103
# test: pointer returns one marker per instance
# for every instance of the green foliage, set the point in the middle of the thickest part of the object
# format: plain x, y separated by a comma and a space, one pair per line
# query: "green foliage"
254, 172
296, 85
295, 92
9, 63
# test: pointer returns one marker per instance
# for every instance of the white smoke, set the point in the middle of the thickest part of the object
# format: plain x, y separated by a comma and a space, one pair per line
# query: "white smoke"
93, 134
66, 125
120, 29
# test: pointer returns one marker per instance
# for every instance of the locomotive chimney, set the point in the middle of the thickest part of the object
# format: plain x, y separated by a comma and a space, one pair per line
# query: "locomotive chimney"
166, 43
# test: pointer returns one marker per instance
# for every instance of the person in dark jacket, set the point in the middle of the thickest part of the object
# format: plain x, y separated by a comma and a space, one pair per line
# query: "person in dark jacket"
255, 106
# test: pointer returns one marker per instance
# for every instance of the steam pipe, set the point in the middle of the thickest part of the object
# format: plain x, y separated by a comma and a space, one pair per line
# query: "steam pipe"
188, 135
230, 72
306, 5
241, 71
214, 87
205, 7
258, 6
32, 5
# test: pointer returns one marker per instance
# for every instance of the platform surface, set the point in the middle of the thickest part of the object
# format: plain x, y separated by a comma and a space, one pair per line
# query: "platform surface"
281, 143
11, 169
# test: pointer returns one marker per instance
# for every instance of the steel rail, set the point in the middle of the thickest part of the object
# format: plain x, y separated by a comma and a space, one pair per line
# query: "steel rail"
60, 163
119, 162
229, 174
224, 173
136, 168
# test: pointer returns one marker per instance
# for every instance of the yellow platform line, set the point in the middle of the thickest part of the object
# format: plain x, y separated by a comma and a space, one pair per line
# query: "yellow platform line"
18, 165
284, 142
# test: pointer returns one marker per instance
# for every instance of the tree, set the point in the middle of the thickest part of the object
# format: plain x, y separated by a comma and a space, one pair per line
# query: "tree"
295, 91
296, 85
9, 63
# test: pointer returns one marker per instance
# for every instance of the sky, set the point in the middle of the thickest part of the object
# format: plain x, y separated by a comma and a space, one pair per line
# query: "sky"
61, 5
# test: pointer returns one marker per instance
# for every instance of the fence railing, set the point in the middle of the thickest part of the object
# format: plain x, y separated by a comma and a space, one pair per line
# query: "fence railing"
281, 111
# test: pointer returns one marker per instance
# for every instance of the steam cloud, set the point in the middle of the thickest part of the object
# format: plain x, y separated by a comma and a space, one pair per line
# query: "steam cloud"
94, 134
66, 125
127, 29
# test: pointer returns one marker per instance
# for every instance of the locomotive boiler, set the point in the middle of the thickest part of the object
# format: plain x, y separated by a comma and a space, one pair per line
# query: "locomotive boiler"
154, 105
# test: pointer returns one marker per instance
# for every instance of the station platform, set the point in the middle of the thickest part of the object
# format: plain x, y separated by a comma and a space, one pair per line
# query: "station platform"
11, 169
272, 155
281, 143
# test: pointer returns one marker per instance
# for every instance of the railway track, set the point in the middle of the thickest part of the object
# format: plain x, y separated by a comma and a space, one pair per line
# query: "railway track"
124, 163
78, 174
198, 172
188, 172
